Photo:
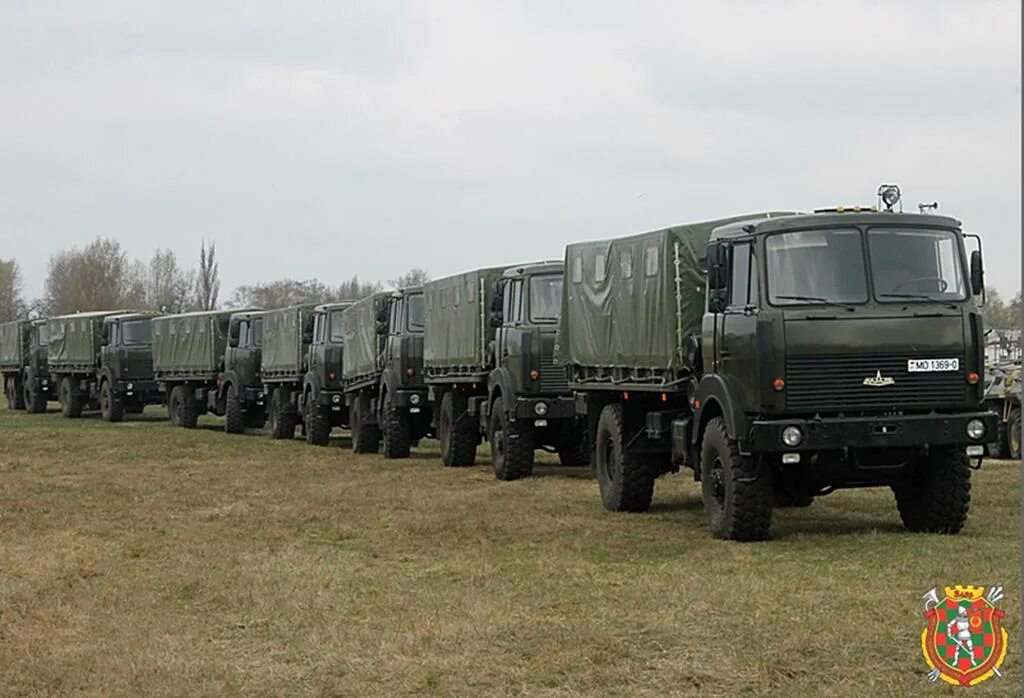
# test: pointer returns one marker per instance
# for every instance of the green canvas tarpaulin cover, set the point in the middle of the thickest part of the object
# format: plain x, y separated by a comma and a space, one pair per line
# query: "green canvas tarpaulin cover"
286, 334
190, 344
458, 328
75, 340
626, 304
363, 346
13, 341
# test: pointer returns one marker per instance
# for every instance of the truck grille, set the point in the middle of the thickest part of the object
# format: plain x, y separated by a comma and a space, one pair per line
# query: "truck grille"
835, 383
552, 377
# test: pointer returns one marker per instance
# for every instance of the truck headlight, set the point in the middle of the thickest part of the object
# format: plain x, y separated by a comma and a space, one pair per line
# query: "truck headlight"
792, 436
414, 399
129, 386
540, 409
975, 429
336, 399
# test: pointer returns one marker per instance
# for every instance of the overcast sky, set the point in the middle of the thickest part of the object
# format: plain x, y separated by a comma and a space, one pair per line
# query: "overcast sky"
336, 138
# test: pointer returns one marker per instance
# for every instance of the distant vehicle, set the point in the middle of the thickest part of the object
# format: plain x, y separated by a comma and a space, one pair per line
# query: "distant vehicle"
1002, 396
23, 365
489, 358
102, 360
383, 372
239, 387
836, 349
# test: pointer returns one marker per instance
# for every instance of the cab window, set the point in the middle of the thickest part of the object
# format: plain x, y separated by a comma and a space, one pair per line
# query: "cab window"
739, 287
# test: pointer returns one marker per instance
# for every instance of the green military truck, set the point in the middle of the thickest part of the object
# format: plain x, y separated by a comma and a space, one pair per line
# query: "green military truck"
102, 360
303, 349
489, 359
37, 387
836, 349
239, 394
383, 372
1002, 396
15, 355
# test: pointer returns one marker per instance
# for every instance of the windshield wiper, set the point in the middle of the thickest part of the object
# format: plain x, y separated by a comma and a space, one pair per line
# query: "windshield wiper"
919, 296
819, 300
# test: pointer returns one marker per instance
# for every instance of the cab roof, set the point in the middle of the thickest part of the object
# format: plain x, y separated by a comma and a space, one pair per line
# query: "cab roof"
549, 265
130, 316
339, 305
829, 218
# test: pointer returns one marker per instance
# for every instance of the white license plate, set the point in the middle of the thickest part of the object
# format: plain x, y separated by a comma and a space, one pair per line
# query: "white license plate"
414, 410
932, 365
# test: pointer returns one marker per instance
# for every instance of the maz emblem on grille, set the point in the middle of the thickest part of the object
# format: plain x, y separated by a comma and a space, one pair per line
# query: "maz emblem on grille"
879, 381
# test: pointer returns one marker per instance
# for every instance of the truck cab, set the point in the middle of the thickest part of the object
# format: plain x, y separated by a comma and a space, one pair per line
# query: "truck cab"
240, 389
838, 349
36, 383
405, 412
323, 387
124, 377
529, 405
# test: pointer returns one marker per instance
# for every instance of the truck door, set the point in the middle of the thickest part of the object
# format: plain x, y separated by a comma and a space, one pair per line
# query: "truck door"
737, 342
506, 336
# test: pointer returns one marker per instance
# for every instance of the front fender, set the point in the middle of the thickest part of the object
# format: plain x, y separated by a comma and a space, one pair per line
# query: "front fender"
226, 378
312, 383
500, 381
716, 393
389, 382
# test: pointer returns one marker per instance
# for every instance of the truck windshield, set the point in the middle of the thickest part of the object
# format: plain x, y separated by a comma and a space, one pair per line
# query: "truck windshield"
136, 332
414, 312
820, 267
545, 298
337, 333
257, 332
916, 265
43, 332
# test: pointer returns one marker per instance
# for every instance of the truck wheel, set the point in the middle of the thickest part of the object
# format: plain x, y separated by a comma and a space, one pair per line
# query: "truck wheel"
998, 448
576, 451
935, 496
1013, 434
511, 445
318, 425
737, 507
365, 434
233, 421
626, 482
397, 434
111, 407
15, 394
70, 401
183, 409
282, 420
456, 431
35, 401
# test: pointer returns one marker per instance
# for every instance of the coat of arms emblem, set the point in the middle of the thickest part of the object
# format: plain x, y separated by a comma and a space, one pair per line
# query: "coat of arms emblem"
964, 642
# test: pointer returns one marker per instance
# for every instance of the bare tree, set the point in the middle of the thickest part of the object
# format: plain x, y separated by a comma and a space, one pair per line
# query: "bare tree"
168, 286
95, 278
413, 277
281, 294
12, 305
208, 282
354, 289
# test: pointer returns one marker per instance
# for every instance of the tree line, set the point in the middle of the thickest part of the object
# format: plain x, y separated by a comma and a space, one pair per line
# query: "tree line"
101, 276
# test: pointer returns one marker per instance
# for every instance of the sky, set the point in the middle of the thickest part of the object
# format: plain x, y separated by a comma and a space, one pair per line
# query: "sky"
328, 139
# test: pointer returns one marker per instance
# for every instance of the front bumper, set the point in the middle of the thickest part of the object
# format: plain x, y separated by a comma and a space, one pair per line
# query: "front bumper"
332, 399
557, 407
409, 399
871, 432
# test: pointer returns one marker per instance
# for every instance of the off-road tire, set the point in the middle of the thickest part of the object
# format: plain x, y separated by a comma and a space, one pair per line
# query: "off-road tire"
737, 496
234, 422
456, 431
318, 425
15, 395
1013, 435
577, 451
936, 495
365, 434
70, 400
397, 432
511, 445
625, 479
183, 408
35, 401
282, 421
111, 406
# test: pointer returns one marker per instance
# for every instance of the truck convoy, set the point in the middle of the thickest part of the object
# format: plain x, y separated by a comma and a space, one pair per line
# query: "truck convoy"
23, 365
102, 360
490, 369
1002, 396
303, 349
383, 372
836, 349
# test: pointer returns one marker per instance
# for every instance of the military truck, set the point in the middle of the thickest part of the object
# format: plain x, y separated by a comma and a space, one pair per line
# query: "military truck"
102, 360
37, 386
303, 349
490, 369
1002, 396
239, 396
841, 348
15, 354
383, 372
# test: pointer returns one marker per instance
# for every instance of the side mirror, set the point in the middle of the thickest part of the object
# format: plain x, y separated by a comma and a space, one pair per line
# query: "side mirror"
382, 327
716, 302
717, 261
233, 341
977, 275
105, 332
497, 320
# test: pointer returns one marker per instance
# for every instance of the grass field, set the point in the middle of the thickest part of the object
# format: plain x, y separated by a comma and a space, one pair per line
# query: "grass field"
138, 558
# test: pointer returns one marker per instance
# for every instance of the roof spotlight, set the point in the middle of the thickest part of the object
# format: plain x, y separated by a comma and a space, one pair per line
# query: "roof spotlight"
889, 194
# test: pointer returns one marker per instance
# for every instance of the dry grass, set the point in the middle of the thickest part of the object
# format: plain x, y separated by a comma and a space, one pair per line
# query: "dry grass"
143, 559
